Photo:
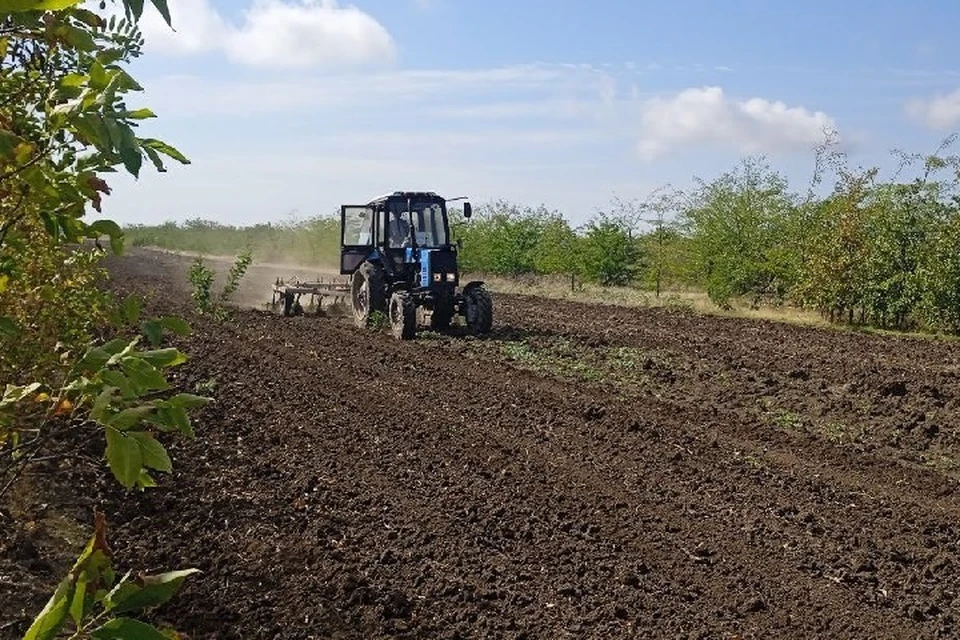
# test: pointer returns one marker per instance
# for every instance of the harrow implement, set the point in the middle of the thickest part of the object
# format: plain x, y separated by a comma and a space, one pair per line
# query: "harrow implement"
286, 295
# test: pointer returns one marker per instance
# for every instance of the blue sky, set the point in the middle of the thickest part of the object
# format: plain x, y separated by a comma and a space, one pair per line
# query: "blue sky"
291, 107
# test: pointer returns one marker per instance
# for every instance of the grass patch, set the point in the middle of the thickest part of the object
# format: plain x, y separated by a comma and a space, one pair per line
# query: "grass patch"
566, 358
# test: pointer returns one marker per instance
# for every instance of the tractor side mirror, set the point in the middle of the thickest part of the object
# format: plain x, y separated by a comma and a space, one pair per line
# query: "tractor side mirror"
467, 210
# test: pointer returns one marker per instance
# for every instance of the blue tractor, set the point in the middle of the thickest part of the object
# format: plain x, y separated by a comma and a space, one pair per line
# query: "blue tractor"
398, 251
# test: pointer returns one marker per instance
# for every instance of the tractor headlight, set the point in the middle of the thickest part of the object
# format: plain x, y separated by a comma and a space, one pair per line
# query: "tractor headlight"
451, 277
437, 277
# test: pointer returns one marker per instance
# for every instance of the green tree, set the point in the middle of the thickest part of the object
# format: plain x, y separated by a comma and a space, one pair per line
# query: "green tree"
557, 247
939, 274
737, 225
503, 238
609, 254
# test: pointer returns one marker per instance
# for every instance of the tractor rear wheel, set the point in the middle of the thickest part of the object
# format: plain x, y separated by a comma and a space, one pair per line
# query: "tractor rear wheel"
403, 316
479, 309
367, 293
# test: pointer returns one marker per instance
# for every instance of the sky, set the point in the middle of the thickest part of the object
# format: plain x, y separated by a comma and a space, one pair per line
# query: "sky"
289, 108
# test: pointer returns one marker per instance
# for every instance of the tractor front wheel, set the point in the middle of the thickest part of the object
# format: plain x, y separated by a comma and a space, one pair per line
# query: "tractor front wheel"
479, 309
367, 293
403, 316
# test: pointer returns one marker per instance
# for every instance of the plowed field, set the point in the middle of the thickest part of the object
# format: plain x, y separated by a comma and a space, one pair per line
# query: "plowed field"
583, 472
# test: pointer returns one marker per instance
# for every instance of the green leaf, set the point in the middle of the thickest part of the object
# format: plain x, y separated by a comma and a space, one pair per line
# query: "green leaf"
176, 325
92, 565
135, 7
116, 379
161, 6
51, 224
8, 143
130, 417
155, 158
125, 82
15, 6
188, 401
87, 17
77, 607
127, 629
152, 452
8, 327
48, 623
99, 78
109, 56
102, 404
165, 149
162, 358
93, 127
93, 360
153, 330
153, 591
146, 480
73, 80
124, 457
129, 149
130, 310
143, 374
79, 38
119, 349
111, 229
139, 114
121, 591
173, 418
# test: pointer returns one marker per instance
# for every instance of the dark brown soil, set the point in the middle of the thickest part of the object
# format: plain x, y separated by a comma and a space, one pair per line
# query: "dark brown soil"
584, 471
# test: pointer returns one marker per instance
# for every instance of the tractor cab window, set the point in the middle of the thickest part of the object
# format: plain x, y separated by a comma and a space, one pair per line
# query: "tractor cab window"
428, 228
357, 226
398, 229
428, 225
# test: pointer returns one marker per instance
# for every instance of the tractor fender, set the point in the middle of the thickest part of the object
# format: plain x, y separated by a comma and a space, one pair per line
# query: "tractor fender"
473, 284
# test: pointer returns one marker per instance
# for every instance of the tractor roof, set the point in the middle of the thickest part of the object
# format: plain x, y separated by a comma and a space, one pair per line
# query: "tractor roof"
403, 194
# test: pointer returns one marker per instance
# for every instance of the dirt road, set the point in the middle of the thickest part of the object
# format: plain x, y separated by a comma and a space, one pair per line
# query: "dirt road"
584, 472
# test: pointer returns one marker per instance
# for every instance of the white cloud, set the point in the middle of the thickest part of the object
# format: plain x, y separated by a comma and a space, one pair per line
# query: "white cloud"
939, 112
186, 95
273, 33
706, 116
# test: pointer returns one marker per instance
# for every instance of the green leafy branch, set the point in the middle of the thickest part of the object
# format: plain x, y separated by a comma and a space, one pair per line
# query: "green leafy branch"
98, 605
116, 386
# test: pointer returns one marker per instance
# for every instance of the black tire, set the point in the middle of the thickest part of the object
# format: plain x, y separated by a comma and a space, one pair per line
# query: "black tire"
403, 316
479, 309
367, 293
442, 313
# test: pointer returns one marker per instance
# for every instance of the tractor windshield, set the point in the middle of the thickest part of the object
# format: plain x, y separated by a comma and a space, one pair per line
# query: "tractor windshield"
428, 224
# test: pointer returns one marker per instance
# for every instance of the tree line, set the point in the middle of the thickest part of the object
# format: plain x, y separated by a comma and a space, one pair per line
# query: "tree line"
882, 253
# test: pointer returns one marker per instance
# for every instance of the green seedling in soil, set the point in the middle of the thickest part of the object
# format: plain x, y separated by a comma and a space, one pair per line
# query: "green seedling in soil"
839, 433
788, 420
378, 320
201, 281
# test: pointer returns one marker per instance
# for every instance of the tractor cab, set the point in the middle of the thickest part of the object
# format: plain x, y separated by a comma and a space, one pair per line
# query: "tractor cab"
401, 258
